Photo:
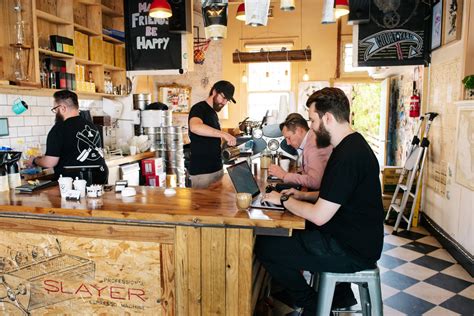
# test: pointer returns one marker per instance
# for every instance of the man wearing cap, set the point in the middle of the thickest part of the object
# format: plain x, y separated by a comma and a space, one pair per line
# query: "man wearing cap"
205, 135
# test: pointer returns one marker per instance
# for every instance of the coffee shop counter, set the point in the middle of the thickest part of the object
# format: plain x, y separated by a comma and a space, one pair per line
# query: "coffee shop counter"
150, 254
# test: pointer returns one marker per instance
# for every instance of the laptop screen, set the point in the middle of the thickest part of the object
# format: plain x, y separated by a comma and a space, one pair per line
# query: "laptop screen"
242, 178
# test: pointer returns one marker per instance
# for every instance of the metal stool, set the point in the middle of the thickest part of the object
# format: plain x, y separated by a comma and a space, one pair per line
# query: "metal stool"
369, 290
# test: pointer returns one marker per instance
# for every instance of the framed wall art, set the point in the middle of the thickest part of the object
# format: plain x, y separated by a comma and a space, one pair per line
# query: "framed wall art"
452, 20
436, 29
177, 98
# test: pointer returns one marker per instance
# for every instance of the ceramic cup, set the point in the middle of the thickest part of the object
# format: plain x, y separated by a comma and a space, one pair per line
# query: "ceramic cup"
80, 185
243, 201
285, 164
65, 184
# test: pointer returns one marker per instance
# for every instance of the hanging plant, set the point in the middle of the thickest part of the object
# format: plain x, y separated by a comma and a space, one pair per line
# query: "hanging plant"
468, 82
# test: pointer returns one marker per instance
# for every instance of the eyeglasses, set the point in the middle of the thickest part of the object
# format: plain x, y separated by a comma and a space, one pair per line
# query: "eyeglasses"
55, 109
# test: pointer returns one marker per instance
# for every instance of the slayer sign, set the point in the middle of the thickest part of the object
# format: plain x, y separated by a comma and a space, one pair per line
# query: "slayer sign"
397, 34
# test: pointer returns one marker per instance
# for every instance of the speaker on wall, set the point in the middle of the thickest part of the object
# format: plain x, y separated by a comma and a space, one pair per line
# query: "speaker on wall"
181, 20
359, 12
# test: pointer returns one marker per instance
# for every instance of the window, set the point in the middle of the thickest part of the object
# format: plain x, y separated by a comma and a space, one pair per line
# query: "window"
347, 60
267, 82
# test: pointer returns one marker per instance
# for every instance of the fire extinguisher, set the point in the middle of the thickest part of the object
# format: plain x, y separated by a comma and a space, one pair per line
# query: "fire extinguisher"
414, 102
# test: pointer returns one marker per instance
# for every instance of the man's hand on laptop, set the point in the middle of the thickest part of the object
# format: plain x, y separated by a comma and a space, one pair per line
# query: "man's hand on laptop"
294, 193
272, 197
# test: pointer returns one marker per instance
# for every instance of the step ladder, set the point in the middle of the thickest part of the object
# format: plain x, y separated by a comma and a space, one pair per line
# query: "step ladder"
413, 166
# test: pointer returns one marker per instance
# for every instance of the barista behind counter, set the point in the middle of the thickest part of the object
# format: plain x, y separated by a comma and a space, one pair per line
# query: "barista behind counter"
73, 141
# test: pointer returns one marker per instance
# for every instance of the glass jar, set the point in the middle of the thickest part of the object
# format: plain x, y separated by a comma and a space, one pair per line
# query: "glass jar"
265, 159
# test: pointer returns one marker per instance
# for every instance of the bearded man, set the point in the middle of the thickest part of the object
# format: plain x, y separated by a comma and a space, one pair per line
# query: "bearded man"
206, 135
72, 142
344, 231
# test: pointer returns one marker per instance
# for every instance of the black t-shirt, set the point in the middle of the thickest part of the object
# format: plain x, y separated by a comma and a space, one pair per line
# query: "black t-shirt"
76, 142
205, 151
351, 179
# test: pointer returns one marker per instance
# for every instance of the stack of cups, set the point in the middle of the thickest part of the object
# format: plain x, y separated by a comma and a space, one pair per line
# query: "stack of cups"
65, 185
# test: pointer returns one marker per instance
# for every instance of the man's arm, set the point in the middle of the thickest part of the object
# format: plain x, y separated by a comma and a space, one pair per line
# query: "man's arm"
197, 126
319, 213
44, 161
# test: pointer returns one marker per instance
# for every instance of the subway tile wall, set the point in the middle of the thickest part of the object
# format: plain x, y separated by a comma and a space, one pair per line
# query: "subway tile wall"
30, 129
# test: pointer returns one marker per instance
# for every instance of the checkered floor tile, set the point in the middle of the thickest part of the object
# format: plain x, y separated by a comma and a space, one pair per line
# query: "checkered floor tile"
419, 277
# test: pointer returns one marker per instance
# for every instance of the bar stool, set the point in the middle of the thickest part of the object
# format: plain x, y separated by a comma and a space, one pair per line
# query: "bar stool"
369, 290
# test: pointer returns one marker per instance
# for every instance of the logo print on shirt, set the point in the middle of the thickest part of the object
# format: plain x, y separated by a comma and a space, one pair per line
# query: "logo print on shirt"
88, 145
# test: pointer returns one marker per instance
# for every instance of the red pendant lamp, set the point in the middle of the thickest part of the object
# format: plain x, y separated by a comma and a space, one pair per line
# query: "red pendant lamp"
240, 12
341, 7
160, 9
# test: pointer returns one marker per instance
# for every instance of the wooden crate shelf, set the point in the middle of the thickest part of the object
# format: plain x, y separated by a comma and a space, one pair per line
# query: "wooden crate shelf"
110, 12
52, 18
110, 39
85, 30
81, 61
113, 68
54, 54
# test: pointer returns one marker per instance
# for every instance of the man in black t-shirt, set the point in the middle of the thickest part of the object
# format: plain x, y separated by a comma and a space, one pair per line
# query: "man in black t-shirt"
73, 141
205, 135
345, 229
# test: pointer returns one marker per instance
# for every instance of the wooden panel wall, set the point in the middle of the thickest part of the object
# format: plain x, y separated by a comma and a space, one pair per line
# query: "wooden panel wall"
220, 282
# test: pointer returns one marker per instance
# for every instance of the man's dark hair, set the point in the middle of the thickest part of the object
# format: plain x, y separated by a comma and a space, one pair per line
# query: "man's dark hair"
332, 100
292, 121
67, 98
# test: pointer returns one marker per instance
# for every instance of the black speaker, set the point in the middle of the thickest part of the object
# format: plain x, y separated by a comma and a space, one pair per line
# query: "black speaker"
359, 12
180, 21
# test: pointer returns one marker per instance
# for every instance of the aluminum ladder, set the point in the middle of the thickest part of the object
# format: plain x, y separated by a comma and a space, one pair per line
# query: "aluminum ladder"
414, 165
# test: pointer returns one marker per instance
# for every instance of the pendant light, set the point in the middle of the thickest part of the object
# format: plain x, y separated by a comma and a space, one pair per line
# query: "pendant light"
306, 76
240, 12
244, 77
287, 5
160, 9
341, 8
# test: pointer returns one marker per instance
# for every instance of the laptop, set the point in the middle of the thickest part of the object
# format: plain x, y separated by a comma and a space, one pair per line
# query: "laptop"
244, 182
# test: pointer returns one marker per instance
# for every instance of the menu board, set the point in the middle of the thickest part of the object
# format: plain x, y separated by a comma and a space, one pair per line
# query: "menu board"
398, 34
149, 43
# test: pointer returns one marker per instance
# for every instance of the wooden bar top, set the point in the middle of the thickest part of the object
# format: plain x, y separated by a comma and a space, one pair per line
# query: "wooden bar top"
207, 207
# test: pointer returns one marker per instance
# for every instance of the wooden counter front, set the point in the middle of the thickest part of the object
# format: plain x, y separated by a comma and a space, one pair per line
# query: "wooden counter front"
188, 254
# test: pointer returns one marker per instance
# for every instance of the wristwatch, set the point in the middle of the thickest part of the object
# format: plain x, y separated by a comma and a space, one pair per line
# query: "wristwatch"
284, 198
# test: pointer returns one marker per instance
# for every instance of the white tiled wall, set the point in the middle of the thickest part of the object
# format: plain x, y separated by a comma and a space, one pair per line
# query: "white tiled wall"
32, 126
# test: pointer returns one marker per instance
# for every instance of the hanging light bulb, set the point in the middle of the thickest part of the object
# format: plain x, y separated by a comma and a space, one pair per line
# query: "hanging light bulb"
160, 9
244, 77
287, 5
241, 12
267, 74
341, 8
306, 76
286, 72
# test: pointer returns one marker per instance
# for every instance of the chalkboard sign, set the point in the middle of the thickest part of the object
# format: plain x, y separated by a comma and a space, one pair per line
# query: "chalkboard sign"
149, 44
398, 34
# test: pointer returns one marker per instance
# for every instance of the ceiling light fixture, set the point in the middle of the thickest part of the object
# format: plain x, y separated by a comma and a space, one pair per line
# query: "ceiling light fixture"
341, 8
287, 5
160, 9
240, 12
306, 76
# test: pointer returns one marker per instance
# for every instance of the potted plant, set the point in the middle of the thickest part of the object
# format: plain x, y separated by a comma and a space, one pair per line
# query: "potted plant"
468, 82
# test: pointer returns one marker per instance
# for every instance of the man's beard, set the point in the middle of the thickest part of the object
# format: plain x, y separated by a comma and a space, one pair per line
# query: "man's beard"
216, 105
59, 118
323, 138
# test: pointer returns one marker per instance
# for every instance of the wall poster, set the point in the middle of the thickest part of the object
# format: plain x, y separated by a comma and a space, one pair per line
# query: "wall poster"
453, 20
398, 34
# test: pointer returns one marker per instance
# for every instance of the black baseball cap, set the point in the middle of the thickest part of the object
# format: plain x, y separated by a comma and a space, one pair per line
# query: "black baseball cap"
226, 88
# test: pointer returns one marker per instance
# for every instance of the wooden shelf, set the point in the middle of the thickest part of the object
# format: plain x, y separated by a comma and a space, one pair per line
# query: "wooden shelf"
110, 39
55, 54
85, 30
87, 62
88, 2
51, 18
83, 93
22, 46
110, 12
113, 68
180, 113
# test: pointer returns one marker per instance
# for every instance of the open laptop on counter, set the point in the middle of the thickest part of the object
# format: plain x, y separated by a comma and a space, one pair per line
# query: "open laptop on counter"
244, 182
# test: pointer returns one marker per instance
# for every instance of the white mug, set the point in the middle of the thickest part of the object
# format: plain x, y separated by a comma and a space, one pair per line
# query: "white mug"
133, 150
285, 164
80, 185
65, 184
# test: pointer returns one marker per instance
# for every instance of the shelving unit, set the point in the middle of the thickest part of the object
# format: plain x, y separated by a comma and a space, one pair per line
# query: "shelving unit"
64, 18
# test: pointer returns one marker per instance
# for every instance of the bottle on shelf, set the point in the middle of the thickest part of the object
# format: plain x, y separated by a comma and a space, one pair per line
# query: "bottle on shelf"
91, 78
52, 80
